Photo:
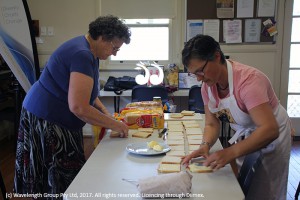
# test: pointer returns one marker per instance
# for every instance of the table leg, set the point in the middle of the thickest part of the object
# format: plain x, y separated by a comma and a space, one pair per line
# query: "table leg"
117, 104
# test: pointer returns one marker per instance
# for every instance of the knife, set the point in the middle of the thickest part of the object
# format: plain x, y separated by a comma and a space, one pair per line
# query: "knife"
163, 132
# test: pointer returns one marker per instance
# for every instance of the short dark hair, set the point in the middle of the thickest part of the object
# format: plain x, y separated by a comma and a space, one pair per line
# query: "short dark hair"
201, 47
109, 27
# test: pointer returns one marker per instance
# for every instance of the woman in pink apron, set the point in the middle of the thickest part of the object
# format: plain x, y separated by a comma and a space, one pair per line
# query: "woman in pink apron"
243, 96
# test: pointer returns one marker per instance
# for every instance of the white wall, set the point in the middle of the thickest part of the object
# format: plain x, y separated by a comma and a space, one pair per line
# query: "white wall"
71, 18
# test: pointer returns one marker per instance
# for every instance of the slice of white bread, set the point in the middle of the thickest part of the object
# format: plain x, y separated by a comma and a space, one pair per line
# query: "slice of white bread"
178, 148
194, 131
174, 122
188, 113
170, 160
141, 134
190, 122
194, 142
199, 168
176, 153
175, 137
193, 147
194, 137
175, 142
192, 125
150, 130
175, 132
174, 127
176, 115
114, 134
169, 168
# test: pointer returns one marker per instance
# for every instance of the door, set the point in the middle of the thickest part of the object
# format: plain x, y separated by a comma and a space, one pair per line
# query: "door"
290, 87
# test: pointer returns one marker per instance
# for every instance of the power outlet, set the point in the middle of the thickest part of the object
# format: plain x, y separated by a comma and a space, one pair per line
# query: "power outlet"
50, 30
43, 30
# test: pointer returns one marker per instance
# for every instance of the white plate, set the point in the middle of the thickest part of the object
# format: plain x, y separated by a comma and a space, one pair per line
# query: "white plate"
141, 148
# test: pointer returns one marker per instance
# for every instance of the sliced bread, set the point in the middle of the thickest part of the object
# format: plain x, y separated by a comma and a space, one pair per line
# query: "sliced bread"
169, 168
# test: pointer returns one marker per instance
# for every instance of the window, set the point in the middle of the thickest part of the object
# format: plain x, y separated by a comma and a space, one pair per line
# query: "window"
156, 27
149, 41
293, 101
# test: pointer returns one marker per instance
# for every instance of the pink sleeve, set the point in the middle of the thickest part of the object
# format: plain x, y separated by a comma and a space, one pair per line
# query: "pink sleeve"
204, 93
255, 91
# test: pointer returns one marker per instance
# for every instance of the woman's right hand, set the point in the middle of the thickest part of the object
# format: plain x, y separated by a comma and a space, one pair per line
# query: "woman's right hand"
121, 128
202, 151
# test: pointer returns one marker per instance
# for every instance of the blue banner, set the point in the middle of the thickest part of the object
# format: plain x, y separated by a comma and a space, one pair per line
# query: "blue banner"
17, 44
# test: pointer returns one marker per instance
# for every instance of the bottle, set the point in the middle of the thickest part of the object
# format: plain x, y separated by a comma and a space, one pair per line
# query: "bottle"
158, 100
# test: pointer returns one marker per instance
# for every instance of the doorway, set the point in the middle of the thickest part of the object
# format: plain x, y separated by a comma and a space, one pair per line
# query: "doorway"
290, 87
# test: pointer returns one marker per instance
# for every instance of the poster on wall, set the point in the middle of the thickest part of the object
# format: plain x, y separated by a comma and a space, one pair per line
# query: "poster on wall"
225, 8
193, 28
17, 44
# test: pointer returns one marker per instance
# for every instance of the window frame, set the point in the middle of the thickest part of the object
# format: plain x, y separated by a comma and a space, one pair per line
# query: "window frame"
130, 64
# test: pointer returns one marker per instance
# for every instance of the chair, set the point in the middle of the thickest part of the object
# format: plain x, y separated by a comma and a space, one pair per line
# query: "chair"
250, 165
195, 99
196, 104
145, 93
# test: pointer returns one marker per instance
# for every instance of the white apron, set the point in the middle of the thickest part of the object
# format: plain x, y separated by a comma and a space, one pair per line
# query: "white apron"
270, 181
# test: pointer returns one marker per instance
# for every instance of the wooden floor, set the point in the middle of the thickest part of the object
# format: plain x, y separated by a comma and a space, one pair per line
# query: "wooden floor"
294, 171
7, 164
7, 161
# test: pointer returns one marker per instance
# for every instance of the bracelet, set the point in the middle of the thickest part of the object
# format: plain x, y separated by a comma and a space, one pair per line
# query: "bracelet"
206, 143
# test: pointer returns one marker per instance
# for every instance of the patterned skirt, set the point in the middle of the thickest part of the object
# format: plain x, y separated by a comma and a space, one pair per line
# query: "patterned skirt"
48, 157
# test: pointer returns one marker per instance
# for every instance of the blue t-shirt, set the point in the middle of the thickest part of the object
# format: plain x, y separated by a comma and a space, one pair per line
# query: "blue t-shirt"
48, 97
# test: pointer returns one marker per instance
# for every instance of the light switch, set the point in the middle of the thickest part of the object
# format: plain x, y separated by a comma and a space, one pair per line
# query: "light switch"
50, 30
43, 30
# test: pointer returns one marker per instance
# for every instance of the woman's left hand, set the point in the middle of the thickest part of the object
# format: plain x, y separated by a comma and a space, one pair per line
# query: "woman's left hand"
219, 159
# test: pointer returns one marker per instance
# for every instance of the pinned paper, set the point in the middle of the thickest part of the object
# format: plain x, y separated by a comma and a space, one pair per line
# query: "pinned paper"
269, 28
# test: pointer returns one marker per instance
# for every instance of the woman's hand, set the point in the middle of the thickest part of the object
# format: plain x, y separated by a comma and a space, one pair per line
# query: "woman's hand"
219, 159
202, 151
121, 128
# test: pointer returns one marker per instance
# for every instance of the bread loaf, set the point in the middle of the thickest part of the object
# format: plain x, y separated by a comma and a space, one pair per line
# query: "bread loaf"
131, 118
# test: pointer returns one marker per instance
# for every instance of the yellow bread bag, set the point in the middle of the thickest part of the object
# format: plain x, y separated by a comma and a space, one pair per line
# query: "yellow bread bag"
144, 114
138, 120
144, 104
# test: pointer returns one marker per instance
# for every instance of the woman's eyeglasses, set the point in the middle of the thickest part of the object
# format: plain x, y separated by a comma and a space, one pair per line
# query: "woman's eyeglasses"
199, 72
115, 48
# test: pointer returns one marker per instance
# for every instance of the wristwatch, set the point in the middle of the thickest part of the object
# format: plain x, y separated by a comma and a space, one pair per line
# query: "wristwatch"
206, 143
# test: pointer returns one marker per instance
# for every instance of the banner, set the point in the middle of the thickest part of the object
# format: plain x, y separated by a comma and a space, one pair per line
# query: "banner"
17, 44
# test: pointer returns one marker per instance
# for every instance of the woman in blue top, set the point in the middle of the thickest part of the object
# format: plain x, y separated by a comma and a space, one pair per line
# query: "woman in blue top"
50, 149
